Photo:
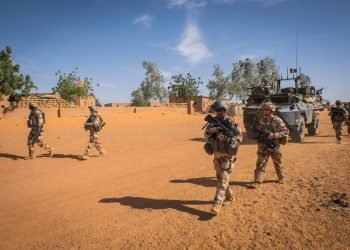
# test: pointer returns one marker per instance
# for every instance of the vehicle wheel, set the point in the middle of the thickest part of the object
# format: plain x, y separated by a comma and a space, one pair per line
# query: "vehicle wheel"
298, 135
314, 127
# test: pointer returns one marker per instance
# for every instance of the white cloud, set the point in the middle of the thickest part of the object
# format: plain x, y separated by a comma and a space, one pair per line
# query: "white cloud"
192, 46
145, 20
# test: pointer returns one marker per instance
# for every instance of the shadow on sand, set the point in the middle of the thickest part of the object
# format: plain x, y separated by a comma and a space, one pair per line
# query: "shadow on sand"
211, 182
11, 156
155, 204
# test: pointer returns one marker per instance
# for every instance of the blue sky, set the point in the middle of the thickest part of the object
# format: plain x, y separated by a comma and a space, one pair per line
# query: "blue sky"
108, 40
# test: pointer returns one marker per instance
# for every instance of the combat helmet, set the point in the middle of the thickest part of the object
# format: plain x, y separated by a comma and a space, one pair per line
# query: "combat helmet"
338, 102
93, 108
268, 105
33, 105
220, 104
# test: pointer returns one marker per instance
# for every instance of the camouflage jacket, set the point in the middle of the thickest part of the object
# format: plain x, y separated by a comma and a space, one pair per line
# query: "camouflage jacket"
94, 123
36, 119
275, 126
338, 114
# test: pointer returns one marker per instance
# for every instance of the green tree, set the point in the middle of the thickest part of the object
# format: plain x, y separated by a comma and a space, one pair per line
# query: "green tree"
184, 87
151, 88
243, 76
11, 81
67, 86
267, 68
138, 98
218, 87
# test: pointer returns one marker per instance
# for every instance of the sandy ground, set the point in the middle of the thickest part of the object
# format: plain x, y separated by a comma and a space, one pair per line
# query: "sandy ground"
155, 186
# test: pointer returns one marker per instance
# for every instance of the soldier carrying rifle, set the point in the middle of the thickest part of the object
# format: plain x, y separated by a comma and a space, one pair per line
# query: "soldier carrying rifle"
224, 137
94, 125
339, 115
35, 122
272, 132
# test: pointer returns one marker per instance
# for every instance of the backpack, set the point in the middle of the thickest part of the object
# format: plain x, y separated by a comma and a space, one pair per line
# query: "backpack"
100, 124
33, 119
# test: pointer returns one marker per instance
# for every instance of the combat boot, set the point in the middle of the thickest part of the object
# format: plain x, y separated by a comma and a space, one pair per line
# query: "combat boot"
227, 202
102, 153
51, 152
228, 197
85, 157
31, 155
258, 177
215, 209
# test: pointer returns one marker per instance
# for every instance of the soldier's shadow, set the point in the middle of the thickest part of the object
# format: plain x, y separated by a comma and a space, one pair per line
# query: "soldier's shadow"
211, 182
155, 204
12, 156
63, 156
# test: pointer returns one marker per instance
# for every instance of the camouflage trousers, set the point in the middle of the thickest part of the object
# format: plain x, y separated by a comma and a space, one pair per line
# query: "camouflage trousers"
93, 142
338, 128
223, 164
263, 156
36, 136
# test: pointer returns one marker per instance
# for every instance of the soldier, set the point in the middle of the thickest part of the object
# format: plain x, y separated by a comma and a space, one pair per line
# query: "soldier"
291, 98
277, 132
267, 86
94, 124
224, 148
338, 116
347, 107
35, 122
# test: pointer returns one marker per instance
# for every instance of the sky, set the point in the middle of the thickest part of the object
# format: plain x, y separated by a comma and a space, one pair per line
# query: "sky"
108, 40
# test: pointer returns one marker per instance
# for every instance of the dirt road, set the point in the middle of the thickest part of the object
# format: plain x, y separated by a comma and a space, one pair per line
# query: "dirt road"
154, 189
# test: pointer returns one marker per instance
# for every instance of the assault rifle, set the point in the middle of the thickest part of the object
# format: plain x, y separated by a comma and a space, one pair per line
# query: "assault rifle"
216, 123
262, 136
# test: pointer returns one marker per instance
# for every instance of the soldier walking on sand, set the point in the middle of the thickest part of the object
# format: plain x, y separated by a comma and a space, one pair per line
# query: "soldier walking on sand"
35, 122
276, 132
94, 124
339, 115
347, 122
224, 148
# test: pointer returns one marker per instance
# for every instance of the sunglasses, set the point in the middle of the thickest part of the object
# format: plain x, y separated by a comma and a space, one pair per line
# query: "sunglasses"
219, 110
267, 109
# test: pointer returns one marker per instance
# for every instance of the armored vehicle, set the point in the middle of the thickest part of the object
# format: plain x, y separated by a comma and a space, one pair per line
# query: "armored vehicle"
297, 106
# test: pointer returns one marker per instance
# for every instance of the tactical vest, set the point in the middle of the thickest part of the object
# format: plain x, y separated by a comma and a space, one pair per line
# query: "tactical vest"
230, 148
33, 120
96, 126
337, 114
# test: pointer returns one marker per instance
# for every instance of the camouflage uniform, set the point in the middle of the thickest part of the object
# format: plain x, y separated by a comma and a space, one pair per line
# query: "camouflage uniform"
347, 122
279, 129
36, 134
92, 123
224, 158
338, 116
